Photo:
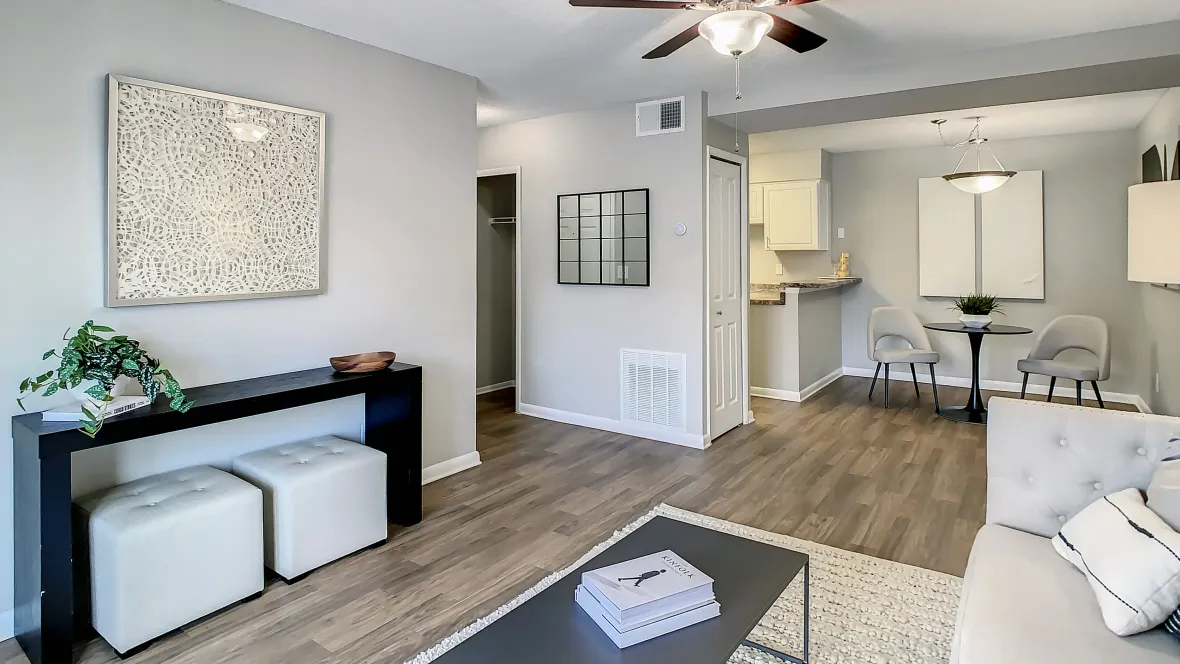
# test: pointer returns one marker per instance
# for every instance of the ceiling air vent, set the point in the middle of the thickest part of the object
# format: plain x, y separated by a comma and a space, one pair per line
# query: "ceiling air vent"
652, 387
662, 116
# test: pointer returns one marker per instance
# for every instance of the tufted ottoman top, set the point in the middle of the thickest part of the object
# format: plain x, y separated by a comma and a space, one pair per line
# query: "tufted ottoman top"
307, 459
163, 496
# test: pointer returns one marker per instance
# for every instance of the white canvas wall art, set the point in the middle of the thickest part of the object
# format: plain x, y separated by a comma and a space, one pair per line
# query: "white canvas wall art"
211, 197
946, 239
1013, 234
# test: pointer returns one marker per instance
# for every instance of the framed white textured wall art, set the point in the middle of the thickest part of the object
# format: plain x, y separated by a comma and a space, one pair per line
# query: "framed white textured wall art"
211, 197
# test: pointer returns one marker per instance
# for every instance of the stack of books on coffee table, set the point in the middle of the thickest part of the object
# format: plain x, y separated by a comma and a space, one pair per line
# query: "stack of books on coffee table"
640, 599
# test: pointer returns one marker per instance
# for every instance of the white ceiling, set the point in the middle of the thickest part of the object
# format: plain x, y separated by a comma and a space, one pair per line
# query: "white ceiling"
537, 57
1045, 118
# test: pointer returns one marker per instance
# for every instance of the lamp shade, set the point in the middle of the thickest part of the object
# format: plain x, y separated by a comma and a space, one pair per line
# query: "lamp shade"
737, 31
1153, 232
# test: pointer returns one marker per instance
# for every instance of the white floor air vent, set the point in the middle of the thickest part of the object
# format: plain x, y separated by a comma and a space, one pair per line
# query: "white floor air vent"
662, 116
652, 387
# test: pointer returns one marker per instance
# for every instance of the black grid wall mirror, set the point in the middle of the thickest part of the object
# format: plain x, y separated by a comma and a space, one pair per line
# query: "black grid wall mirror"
602, 238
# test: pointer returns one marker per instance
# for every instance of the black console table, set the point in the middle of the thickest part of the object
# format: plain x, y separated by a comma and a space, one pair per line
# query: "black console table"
51, 602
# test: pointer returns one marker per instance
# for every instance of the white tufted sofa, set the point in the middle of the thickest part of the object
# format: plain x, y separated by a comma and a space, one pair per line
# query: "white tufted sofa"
168, 549
1045, 462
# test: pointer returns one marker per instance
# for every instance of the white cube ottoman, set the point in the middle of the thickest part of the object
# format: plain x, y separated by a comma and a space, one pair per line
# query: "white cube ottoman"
322, 499
168, 549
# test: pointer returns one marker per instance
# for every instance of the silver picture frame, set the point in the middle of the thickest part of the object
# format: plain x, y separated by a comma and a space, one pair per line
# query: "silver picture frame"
112, 280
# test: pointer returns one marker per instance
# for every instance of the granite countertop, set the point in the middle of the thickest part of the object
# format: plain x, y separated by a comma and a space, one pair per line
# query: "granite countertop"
776, 294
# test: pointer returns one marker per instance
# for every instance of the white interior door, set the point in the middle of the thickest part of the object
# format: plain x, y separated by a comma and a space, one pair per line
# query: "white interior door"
726, 336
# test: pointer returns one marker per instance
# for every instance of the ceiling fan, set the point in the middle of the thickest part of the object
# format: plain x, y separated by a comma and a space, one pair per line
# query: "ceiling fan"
737, 27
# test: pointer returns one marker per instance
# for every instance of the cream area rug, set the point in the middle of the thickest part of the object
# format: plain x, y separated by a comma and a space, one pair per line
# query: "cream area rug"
863, 609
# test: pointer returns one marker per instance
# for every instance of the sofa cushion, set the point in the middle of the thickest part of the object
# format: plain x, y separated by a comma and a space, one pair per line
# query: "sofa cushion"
1023, 603
1128, 555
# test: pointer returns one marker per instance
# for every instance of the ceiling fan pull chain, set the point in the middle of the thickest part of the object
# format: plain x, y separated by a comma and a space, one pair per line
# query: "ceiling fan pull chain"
737, 135
737, 73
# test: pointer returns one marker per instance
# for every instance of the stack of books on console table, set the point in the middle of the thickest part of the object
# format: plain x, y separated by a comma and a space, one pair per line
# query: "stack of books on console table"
640, 599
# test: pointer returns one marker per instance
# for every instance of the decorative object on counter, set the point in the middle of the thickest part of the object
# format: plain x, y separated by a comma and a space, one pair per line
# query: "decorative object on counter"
95, 364
233, 207
842, 267
363, 362
602, 238
978, 181
976, 309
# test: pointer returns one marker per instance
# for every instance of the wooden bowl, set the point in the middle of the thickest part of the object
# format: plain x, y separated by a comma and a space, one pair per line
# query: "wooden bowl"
364, 362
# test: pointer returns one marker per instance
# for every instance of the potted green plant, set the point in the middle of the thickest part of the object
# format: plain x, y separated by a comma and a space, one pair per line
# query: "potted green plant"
96, 369
976, 309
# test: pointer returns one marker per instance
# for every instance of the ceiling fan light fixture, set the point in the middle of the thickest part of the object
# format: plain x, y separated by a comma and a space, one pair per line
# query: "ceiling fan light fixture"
979, 182
736, 32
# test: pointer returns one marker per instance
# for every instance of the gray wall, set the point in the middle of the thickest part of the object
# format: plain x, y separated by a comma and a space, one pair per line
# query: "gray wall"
774, 346
723, 137
495, 334
1086, 178
820, 347
401, 158
571, 335
1161, 308
794, 345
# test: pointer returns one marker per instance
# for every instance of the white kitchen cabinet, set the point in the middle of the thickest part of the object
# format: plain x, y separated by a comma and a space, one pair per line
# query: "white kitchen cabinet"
756, 196
796, 215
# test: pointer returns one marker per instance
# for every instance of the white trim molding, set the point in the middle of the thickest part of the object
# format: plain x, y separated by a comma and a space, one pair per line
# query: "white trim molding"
450, 467
661, 434
496, 387
1008, 386
802, 395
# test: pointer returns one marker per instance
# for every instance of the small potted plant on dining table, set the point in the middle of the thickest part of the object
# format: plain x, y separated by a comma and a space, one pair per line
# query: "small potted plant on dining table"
95, 369
976, 310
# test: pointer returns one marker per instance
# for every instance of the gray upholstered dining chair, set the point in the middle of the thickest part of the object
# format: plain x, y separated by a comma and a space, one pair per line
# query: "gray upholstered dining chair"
1063, 333
903, 324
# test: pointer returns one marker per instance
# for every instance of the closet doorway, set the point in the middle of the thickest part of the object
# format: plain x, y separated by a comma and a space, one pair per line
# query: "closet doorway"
497, 310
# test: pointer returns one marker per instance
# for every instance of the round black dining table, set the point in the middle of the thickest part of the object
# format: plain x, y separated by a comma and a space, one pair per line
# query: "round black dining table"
973, 412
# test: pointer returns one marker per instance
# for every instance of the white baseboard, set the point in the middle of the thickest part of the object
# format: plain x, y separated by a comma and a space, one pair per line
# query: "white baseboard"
1004, 386
802, 395
449, 467
495, 387
661, 434
771, 393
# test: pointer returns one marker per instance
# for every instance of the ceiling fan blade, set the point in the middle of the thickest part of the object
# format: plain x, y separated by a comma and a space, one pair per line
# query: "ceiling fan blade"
672, 45
631, 4
795, 37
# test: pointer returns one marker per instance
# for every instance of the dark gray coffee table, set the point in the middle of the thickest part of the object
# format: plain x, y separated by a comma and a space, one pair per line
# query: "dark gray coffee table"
549, 628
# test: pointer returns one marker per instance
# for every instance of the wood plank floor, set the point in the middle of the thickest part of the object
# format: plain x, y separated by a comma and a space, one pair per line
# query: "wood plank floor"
900, 484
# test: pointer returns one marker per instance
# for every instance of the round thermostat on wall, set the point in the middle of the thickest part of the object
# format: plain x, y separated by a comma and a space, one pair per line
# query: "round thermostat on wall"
681, 229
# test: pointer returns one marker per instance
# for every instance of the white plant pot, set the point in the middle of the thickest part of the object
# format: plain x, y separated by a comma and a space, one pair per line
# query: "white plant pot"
122, 387
975, 321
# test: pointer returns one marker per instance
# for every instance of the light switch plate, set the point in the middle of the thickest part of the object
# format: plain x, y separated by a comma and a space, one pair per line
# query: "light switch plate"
840, 233
778, 269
